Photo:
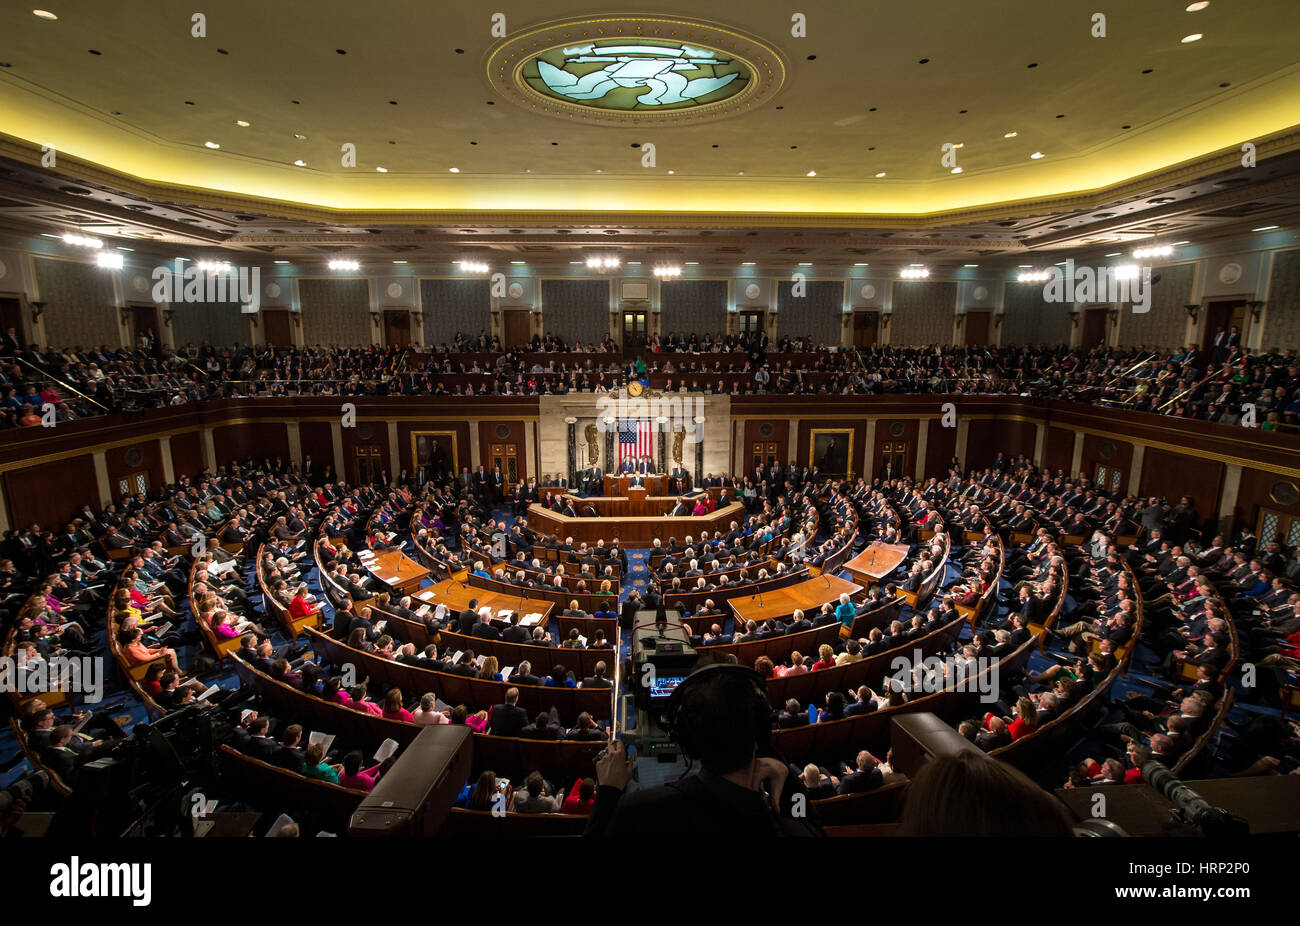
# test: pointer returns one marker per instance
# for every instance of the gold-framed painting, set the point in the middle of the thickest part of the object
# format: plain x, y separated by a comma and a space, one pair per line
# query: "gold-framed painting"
433, 452
831, 451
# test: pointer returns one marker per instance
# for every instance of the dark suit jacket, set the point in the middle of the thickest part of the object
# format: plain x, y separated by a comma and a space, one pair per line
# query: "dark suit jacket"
508, 720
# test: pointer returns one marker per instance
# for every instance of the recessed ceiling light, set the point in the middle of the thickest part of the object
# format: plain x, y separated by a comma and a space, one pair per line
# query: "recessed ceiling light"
399, 261
805, 263
282, 262
1197, 6
692, 263
120, 248
1177, 243
45, 14
518, 262
740, 173
454, 170
970, 265
210, 144
631, 263
1264, 228
811, 173
1036, 155
861, 265
747, 263
1011, 135
241, 123
299, 163
672, 171
382, 170
956, 170
1194, 37
881, 174
1114, 254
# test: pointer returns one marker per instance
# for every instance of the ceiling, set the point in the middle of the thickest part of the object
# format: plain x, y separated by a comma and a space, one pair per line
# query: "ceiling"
1141, 133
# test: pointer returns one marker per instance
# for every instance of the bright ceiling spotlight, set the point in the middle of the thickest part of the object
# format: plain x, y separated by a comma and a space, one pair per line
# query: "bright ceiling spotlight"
1163, 250
82, 241
344, 264
914, 273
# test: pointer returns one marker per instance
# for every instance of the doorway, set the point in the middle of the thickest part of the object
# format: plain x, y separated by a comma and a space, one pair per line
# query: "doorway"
1094, 327
866, 328
397, 328
11, 316
516, 327
634, 333
276, 328
893, 460
976, 329
369, 460
752, 322
1217, 334
144, 322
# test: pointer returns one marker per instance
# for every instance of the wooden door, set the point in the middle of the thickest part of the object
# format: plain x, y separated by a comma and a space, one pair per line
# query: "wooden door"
866, 328
144, 320
976, 328
752, 322
634, 334
11, 316
1094, 327
1222, 316
516, 327
892, 462
765, 453
368, 460
506, 456
276, 328
397, 328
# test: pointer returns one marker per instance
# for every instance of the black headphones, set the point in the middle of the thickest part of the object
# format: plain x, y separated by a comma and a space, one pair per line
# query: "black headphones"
758, 711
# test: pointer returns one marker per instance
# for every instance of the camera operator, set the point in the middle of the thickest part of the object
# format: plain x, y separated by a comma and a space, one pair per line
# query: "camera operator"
720, 718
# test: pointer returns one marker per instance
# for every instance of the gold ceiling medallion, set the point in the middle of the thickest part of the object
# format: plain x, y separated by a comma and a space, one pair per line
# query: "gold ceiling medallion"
635, 70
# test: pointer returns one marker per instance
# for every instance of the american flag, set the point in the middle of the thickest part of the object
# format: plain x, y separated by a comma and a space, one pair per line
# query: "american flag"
635, 439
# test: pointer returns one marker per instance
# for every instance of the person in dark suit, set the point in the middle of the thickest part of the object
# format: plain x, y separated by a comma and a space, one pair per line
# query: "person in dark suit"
523, 674
598, 680
59, 756
865, 703
864, 777
289, 754
586, 729
468, 618
545, 726
509, 718
514, 633
792, 716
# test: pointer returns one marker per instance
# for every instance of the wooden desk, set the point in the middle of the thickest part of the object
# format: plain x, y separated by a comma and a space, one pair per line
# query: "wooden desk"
632, 531
457, 598
807, 596
876, 561
397, 570
618, 484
